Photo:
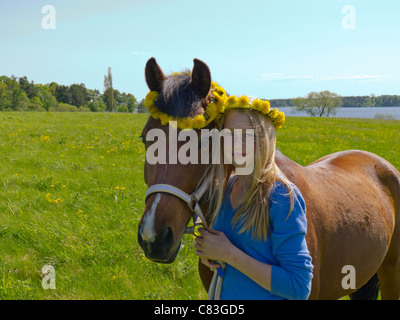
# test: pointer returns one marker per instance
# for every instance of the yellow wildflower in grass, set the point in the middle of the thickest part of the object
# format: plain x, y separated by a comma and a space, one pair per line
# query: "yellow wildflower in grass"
144, 257
49, 199
44, 139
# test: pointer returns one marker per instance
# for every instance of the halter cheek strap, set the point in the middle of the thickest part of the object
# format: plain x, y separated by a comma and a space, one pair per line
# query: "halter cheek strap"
192, 200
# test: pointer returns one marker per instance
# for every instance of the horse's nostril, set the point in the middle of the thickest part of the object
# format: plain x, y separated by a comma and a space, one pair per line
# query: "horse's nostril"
167, 239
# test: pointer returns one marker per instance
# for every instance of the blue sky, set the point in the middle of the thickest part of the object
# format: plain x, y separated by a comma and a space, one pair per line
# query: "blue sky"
266, 49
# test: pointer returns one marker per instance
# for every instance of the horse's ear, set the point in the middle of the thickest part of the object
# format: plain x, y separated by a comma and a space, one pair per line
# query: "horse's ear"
154, 75
201, 77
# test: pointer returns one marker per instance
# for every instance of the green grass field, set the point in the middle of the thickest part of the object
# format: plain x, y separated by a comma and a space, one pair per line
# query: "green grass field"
72, 194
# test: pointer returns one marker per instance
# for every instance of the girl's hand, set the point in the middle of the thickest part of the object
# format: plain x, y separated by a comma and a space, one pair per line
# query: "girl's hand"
212, 245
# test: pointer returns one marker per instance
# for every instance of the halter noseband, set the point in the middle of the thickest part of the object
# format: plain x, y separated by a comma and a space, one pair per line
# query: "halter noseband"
192, 200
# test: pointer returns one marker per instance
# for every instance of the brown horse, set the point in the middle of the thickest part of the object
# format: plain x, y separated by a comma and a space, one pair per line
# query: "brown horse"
352, 200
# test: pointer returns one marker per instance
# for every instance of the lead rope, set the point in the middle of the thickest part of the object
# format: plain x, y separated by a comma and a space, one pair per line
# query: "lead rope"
215, 288
214, 291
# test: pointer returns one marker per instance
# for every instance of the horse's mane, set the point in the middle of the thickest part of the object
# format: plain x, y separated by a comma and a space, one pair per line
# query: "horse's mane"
179, 98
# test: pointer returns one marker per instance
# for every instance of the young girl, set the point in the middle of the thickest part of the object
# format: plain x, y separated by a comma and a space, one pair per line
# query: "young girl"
259, 223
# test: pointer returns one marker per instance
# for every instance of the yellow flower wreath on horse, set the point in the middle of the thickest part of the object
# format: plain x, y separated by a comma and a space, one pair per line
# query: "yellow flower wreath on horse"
214, 111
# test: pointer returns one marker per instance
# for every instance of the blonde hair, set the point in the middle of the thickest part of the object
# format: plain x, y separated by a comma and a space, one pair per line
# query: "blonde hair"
253, 213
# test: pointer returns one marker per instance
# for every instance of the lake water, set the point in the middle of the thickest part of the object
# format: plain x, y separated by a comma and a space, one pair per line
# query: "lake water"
368, 113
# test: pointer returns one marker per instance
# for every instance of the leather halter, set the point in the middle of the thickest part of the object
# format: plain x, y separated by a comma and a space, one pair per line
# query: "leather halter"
192, 200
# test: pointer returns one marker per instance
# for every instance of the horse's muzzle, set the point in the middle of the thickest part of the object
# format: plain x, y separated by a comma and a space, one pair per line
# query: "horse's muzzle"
160, 248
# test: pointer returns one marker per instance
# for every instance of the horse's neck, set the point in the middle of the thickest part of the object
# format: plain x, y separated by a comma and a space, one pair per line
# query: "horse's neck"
292, 170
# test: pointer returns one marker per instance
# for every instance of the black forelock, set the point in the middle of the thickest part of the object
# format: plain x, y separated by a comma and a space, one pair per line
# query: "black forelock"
178, 97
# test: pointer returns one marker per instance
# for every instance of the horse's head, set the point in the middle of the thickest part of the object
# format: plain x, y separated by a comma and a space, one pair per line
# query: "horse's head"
165, 215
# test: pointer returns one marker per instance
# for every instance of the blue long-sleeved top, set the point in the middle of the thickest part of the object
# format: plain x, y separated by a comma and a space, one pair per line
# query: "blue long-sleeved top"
285, 249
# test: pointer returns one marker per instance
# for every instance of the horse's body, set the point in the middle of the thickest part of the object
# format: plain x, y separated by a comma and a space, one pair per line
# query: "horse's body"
353, 214
353, 211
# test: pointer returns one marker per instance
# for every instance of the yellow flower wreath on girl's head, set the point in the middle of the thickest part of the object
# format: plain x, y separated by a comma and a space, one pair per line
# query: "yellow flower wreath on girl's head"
215, 110
263, 106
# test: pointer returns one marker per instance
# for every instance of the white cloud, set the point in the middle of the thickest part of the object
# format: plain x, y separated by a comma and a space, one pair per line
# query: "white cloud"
285, 77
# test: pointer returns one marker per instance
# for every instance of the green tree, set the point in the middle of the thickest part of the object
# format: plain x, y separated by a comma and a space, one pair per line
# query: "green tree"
19, 100
109, 91
47, 100
131, 103
5, 96
53, 87
28, 87
62, 94
141, 108
96, 103
319, 104
78, 95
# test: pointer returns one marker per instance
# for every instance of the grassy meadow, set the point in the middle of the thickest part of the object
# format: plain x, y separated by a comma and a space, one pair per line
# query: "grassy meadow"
72, 194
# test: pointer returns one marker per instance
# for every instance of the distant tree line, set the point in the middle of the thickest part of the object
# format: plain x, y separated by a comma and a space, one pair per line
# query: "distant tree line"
20, 94
351, 101
278, 103
372, 101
